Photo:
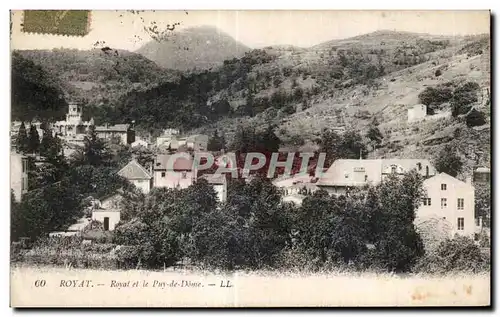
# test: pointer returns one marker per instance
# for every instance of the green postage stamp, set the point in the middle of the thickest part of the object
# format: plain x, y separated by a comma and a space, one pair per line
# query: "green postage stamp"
60, 22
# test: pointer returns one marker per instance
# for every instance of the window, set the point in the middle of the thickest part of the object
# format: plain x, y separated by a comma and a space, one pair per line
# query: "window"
184, 174
460, 223
158, 163
427, 171
346, 175
444, 203
460, 203
443, 186
419, 166
366, 178
427, 201
25, 165
393, 169
163, 174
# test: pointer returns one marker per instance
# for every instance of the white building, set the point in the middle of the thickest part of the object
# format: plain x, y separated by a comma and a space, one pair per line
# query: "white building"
219, 183
417, 112
349, 173
18, 174
137, 175
450, 200
180, 174
108, 217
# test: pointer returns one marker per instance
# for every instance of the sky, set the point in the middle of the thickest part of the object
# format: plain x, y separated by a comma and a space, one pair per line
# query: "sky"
256, 29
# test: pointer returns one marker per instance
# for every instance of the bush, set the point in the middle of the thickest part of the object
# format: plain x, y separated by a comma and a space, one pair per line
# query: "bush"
463, 97
457, 254
435, 95
448, 161
475, 118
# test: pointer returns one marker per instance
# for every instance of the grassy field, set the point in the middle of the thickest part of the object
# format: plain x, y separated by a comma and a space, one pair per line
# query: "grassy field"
248, 289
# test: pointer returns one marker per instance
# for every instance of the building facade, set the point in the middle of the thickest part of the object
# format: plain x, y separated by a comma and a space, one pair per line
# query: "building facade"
451, 200
108, 217
345, 174
137, 175
179, 174
119, 133
73, 125
18, 175
219, 184
417, 112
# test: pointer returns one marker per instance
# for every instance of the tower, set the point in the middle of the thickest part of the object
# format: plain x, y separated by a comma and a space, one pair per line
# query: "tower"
74, 114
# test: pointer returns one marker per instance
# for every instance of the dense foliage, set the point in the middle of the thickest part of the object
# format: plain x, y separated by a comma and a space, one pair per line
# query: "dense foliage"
255, 229
448, 161
35, 93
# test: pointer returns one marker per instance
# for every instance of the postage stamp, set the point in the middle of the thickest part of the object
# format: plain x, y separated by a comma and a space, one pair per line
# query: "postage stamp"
60, 22
250, 159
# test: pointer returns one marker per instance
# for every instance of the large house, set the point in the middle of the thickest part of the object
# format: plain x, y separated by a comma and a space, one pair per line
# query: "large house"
137, 175
18, 174
451, 200
73, 125
120, 133
180, 173
345, 174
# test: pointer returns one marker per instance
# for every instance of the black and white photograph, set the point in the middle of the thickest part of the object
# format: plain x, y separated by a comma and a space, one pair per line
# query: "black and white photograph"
271, 158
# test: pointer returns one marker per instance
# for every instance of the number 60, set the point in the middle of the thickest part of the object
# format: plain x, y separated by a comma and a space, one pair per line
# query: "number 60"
39, 283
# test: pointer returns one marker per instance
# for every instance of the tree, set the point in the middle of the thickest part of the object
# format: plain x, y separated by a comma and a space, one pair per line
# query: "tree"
46, 209
374, 134
94, 151
483, 202
435, 95
352, 146
22, 139
463, 97
33, 140
397, 244
448, 161
475, 118
51, 146
268, 140
216, 142
328, 144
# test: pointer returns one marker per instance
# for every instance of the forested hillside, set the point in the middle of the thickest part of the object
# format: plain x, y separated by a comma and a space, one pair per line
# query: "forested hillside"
301, 91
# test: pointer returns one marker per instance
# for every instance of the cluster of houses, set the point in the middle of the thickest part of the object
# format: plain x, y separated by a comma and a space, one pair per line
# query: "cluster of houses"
447, 198
73, 129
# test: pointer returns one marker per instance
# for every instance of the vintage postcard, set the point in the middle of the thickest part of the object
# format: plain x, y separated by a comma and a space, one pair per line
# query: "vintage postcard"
250, 158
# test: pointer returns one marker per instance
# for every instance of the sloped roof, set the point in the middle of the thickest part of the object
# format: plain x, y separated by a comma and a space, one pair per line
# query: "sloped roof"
134, 170
217, 179
443, 177
180, 164
113, 128
343, 172
408, 164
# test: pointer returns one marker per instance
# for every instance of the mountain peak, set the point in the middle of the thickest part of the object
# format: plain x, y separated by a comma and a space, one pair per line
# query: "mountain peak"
198, 47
